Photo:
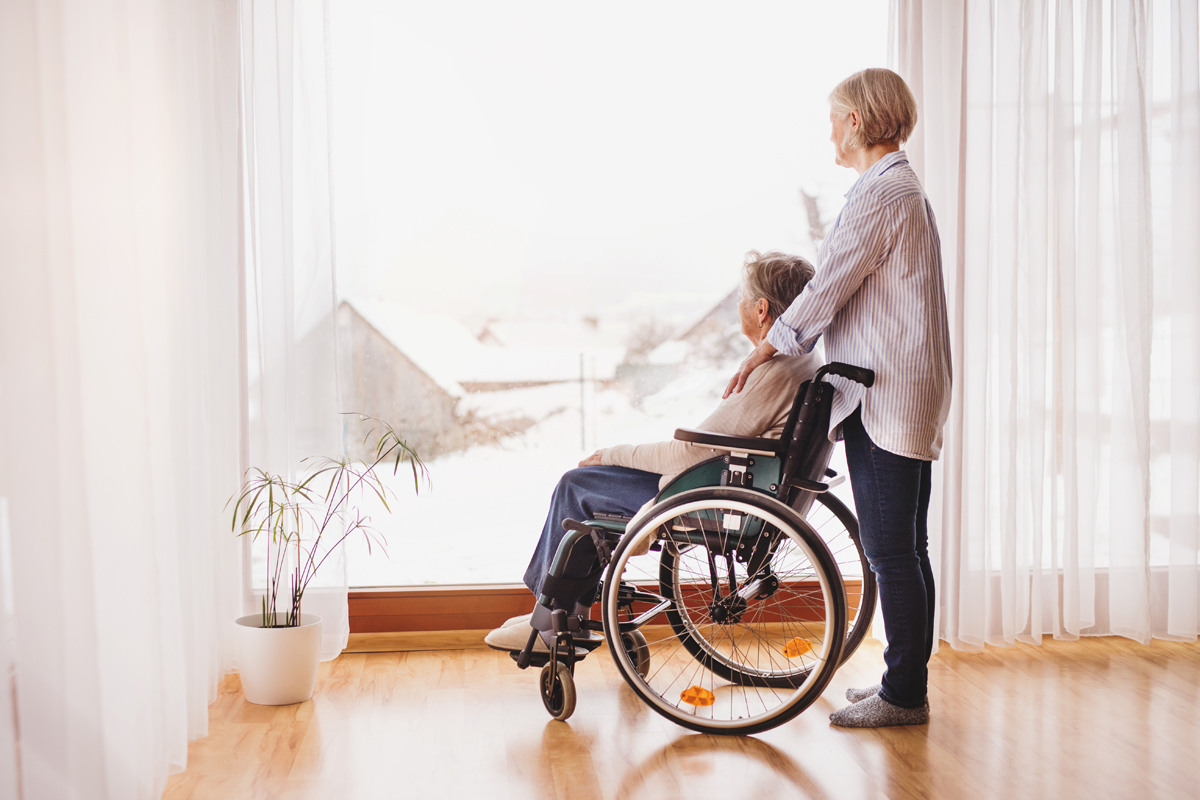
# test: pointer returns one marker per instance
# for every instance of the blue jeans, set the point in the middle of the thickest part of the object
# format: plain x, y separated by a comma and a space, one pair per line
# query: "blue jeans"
891, 497
580, 493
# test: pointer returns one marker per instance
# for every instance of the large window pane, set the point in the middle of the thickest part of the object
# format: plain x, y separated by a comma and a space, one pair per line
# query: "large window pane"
542, 209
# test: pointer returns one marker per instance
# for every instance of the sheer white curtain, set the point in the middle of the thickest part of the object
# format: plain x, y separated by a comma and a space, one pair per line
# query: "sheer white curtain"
292, 360
119, 388
1060, 147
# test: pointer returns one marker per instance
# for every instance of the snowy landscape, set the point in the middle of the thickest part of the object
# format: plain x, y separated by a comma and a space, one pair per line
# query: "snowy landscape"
479, 519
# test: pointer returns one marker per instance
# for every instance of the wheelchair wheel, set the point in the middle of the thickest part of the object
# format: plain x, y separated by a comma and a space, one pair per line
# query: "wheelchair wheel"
744, 615
638, 651
558, 690
838, 528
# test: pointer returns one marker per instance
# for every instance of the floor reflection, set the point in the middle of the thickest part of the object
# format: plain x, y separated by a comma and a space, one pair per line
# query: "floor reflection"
701, 765
566, 762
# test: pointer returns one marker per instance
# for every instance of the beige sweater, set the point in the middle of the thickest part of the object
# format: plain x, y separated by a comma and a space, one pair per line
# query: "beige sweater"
760, 409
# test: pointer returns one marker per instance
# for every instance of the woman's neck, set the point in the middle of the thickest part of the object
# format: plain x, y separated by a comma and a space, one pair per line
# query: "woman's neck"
865, 158
762, 333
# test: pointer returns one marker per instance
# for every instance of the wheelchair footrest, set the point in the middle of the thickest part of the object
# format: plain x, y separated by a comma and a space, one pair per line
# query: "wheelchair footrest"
590, 643
542, 659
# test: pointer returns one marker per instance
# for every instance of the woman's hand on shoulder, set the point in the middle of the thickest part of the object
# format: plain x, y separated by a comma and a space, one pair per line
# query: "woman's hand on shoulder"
593, 460
758, 356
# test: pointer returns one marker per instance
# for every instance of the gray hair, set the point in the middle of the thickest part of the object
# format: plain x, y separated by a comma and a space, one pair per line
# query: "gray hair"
884, 104
775, 276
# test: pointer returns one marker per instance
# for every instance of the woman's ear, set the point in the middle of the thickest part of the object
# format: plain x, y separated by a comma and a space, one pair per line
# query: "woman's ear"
762, 309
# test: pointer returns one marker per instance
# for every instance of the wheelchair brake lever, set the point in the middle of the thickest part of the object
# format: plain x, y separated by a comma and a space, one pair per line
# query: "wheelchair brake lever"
527, 654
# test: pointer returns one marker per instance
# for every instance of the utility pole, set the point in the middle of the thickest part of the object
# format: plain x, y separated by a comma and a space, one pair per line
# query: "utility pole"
582, 401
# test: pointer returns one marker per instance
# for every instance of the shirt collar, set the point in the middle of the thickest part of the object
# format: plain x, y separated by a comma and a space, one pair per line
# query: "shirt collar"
878, 168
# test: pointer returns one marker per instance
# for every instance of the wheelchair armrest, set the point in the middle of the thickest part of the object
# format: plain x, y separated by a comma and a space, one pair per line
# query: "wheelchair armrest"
720, 441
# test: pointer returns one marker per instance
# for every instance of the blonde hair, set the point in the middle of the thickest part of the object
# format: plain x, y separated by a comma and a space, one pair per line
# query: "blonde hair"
775, 276
884, 104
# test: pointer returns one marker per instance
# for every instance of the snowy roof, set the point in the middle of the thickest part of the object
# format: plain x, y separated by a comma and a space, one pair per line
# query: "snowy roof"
721, 315
498, 364
446, 351
724, 311
437, 345
577, 334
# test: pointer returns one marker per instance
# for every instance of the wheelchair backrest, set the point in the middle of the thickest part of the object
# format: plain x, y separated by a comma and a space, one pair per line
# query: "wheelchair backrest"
809, 448
789, 427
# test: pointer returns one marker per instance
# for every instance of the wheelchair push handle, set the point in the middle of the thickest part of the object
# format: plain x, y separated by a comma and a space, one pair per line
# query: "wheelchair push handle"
857, 374
801, 468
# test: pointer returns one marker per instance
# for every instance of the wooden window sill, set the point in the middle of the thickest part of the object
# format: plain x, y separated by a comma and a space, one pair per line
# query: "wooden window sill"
436, 608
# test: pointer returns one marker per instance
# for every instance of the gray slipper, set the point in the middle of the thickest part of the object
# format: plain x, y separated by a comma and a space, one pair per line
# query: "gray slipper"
875, 712
857, 695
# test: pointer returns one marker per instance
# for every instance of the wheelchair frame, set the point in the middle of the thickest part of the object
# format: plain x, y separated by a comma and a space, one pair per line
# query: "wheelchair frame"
777, 480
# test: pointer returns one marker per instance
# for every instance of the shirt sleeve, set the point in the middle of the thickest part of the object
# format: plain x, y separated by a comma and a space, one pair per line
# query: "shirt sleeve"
857, 246
751, 412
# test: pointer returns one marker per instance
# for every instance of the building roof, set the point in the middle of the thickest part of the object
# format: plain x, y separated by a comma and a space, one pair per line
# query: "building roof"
437, 345
446, 351
579, 334
718, 317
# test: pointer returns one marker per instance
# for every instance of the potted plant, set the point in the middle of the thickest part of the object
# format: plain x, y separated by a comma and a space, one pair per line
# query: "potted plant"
303, 522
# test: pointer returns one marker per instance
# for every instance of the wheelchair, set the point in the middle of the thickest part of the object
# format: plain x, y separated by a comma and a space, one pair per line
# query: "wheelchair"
730, 602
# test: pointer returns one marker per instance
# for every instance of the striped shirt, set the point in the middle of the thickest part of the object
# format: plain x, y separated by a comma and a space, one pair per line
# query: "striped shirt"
878, 299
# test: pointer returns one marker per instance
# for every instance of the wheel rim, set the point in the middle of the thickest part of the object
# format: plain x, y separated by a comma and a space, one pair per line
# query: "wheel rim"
727, 658
695, 618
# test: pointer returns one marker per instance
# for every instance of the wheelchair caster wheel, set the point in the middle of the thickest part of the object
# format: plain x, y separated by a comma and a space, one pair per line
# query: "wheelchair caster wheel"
558, 690
639, 651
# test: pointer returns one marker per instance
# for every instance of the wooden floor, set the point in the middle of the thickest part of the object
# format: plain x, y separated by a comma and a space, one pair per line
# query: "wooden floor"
1095, 718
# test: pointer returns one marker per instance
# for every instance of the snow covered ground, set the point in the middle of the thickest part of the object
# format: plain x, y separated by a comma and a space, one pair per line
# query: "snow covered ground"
478, 520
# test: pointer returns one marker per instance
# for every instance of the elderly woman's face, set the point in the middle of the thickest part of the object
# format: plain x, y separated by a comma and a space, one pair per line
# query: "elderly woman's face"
749, 311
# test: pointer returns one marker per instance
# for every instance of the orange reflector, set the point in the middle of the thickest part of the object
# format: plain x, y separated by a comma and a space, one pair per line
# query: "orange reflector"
797, 647
697, 696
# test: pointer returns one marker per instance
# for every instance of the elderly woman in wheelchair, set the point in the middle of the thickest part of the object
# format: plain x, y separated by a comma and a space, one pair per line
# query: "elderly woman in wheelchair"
726, 573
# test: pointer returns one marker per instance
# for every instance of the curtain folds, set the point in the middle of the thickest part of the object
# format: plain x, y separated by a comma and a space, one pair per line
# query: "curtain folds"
291, 293
119, 388
1060, 146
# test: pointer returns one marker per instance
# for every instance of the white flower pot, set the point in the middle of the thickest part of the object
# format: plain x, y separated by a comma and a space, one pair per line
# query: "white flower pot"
278, 666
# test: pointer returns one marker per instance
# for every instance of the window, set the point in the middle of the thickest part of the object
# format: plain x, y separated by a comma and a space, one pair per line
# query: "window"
541, 211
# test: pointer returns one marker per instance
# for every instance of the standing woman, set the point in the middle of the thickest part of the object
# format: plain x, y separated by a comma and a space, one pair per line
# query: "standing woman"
879, 301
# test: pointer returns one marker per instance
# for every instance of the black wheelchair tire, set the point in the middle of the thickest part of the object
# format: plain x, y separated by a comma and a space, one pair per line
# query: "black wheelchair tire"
558, 690
638, 648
